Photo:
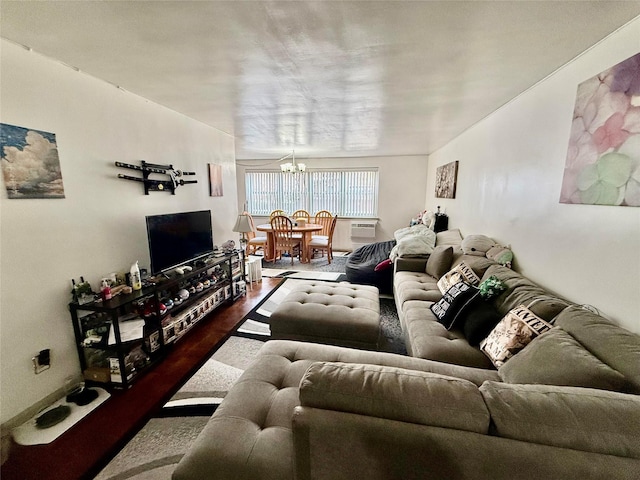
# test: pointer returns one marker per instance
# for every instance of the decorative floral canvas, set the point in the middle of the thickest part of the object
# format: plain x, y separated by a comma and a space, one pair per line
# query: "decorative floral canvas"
30, 164
603, 159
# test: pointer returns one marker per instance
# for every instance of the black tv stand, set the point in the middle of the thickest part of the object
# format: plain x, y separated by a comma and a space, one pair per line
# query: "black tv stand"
119, 339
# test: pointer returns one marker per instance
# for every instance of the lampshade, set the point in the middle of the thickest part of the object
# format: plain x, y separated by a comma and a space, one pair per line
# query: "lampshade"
242, 224
292, 167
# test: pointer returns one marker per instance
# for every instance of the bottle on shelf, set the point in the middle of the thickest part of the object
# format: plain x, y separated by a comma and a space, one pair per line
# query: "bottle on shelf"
105, 289
136, 282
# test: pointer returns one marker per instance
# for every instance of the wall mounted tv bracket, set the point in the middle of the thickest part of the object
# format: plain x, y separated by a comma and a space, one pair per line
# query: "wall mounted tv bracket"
157, 185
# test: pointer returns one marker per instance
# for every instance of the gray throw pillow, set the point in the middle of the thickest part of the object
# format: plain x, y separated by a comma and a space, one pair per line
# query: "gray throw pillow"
439, 261
556, 358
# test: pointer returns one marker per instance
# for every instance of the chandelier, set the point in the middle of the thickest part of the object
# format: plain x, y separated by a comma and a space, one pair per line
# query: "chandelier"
291, 167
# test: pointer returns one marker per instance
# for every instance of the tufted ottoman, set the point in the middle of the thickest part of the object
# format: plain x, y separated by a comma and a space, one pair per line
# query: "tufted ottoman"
333, 313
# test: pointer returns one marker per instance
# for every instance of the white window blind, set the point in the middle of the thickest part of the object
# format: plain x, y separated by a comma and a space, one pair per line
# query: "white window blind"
346, 193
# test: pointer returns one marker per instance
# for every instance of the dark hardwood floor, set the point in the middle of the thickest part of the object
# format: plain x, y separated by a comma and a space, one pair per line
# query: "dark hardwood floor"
85, 449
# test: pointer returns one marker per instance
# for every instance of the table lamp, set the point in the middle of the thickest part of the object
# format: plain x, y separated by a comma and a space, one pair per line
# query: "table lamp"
243, 226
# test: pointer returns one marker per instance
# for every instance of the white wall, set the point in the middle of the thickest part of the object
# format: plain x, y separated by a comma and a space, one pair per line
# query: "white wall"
100, 226
403, 180
510, 174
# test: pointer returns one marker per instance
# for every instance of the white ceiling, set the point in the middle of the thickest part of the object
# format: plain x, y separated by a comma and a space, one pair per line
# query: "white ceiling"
326, 78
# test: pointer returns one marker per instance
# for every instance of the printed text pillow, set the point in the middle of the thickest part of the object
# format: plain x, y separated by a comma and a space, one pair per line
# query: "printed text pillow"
448, 310
460, 273
512, 334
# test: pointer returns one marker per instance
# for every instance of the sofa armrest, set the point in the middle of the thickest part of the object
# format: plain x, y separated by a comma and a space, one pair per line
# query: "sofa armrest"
411, 264
396, 394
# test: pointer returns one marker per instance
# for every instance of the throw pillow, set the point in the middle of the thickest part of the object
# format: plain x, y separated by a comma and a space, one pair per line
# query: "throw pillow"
449, 237
479, 321
477, 245
492, 287
383, 265
501, 255
556, 358
454, 301
512, 334
460, 273
439, 261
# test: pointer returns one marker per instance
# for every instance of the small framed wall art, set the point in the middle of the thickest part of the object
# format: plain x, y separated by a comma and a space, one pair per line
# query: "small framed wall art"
215, 180
446, 179
30, 163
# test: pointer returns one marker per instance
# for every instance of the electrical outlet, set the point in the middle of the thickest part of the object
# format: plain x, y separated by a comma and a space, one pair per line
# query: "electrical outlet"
42, 361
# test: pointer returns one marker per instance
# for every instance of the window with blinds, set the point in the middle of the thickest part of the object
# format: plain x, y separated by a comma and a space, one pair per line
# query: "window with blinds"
346, 193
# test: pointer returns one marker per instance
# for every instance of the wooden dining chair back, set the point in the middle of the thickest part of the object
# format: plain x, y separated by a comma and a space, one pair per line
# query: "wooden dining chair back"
283, 237
324, 218
322, 243
255, 241
275, 213
301, 214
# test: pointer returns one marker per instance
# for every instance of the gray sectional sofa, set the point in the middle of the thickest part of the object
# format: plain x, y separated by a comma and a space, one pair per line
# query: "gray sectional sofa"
566, 406
415, 290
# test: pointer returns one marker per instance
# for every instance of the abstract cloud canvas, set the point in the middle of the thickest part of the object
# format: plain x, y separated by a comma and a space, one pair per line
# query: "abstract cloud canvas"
30, 163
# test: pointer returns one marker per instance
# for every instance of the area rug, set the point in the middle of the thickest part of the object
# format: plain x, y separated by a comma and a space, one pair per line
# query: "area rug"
317, 269
155, 451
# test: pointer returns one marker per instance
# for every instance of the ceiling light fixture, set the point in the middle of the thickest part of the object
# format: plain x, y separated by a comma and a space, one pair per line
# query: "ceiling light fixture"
292, 167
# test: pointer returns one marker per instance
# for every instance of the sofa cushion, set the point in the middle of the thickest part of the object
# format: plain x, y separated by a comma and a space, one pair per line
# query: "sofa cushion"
415, 286
461, 272
426, 338
522, 291
397, 394
610, 343
584, 419
512, 334
556, 358
439, 261
479, 321
460, 297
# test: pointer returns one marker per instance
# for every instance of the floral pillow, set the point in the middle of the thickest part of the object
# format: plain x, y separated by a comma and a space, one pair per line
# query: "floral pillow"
512, 334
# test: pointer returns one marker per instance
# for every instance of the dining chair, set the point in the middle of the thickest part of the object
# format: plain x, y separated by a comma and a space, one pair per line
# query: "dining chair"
275, 213
301, 214
255, 241
324, 218
283, 238
322, 243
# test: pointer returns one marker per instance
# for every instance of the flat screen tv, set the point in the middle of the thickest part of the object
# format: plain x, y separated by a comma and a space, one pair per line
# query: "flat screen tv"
178, 238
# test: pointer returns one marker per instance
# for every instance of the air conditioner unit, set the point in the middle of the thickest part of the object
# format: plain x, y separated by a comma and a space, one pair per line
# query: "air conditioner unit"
363, 228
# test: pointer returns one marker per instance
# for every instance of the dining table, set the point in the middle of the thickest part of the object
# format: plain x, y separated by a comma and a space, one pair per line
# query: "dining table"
306, 231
